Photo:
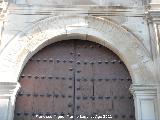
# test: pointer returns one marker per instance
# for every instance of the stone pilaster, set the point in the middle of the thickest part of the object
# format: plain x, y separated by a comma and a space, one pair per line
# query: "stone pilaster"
146, 101
8, 92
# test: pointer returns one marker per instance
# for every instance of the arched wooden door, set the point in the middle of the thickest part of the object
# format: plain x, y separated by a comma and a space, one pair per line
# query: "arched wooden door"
76, 79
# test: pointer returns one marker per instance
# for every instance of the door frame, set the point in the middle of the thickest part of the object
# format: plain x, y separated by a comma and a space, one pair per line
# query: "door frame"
105, 32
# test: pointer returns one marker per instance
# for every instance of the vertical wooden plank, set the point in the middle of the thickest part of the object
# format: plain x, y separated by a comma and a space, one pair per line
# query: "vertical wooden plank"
110, 91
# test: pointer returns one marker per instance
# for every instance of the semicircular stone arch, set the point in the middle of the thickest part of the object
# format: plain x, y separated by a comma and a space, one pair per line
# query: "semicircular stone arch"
53, 29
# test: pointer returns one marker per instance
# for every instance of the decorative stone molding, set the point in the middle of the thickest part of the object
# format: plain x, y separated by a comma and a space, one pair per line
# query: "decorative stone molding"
92, 10
146, 101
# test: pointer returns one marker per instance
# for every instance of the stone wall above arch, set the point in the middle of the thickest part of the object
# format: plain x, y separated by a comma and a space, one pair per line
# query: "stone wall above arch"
52, 29
82, 2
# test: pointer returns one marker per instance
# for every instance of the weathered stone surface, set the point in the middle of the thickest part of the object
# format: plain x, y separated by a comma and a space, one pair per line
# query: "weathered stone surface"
132, 52
82, 2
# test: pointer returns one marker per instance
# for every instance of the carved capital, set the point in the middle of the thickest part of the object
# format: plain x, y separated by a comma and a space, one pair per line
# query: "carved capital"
143, 89
8, 88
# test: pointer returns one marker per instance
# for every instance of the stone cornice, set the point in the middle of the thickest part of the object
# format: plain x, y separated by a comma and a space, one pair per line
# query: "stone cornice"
94, 10
154, 16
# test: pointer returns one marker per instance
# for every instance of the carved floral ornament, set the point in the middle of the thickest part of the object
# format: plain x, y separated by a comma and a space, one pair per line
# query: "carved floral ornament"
52, 29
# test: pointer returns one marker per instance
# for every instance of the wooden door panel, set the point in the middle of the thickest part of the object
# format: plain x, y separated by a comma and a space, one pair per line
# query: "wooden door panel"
74, 78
